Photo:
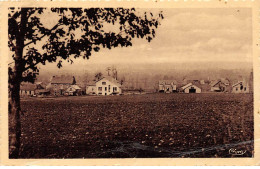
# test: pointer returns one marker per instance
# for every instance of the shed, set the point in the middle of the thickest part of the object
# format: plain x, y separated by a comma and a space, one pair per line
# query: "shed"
190, 88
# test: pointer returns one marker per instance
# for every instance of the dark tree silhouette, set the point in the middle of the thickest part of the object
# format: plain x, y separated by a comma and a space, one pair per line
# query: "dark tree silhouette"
26, 30
98, 76
74, 81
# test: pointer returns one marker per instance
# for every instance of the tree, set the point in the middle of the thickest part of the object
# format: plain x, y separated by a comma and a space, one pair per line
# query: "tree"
114, 73
108, 70
98, 76
25, 30
74, 81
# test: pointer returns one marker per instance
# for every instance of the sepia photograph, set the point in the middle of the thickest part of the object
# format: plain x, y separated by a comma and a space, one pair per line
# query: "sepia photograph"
119, 82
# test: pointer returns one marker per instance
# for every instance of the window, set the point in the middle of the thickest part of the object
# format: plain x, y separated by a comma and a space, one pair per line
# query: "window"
114, 89
245, 88
99, 88
104, 83
108, 88
236, 89
105, 88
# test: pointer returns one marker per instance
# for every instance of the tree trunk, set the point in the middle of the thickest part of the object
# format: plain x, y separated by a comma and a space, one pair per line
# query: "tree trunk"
14, 120
15, 79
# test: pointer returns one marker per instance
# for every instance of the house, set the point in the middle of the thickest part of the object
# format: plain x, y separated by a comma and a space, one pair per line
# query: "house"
105, 86
240, 87
27, 89
82, 86
40, 89
73, 90
167, 86
190, 88
59, 84
91, 88
220, 85
108, 86
42, 92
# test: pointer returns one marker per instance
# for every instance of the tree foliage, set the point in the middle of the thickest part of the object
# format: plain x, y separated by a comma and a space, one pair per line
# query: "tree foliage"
26, 30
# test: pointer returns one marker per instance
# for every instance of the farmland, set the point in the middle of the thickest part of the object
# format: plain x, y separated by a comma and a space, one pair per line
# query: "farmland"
150, 125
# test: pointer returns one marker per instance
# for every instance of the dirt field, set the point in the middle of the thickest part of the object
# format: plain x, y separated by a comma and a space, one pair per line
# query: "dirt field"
151, 125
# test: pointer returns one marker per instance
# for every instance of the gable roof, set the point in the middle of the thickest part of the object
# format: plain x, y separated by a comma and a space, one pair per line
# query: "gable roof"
185, 86
188, 85
111, 79
62, 79
222, 80
75, 87
240, 82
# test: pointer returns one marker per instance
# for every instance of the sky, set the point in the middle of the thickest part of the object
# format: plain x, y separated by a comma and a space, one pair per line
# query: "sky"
216, 36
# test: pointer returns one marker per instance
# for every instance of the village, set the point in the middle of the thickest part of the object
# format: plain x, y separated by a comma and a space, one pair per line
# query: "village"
111, 85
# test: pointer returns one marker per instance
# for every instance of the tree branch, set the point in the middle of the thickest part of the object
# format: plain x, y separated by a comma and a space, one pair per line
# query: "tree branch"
55, 27
11, 42
16, 15
31, 66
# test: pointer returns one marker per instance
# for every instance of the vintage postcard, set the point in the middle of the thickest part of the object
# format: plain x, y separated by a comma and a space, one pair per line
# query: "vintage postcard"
130, 82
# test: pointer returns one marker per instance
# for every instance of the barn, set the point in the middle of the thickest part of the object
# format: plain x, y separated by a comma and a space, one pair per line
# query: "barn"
240, 87
167, 86
190, 88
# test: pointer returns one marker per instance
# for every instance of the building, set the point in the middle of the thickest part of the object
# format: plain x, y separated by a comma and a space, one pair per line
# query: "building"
91, 88
73, 90
220, 85
42, 92
27, 89
167, 86
240, 87
105, 86
59, 84
108, 86
190, 88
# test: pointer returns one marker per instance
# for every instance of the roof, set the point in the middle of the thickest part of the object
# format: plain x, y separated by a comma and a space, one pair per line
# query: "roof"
75, 87
27, 86
188, 85
222, 80
185, 86
62, 79
240, 82
167, 82
111, 79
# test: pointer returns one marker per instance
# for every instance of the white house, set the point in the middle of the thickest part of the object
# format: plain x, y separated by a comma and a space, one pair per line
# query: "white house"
240, 87
105, 86
108, 86
190, 88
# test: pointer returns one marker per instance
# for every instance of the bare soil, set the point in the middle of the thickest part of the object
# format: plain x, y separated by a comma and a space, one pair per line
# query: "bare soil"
142, 126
